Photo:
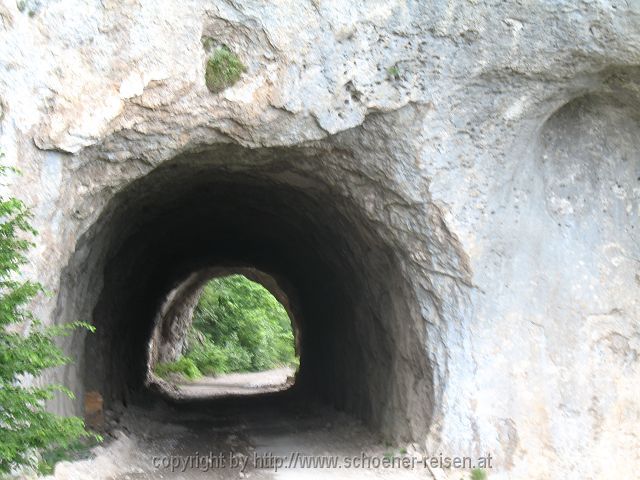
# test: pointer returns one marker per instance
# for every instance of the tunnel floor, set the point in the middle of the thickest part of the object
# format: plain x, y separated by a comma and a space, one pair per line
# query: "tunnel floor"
268, 436
246, 383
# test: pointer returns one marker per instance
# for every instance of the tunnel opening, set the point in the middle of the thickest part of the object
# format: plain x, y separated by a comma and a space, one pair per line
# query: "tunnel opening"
224, 332
359, 329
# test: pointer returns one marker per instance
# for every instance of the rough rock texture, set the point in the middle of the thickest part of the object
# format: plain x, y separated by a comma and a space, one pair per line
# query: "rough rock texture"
451, 189
172, 322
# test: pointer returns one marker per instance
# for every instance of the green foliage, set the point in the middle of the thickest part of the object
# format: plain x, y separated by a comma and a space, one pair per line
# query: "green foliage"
238, 326
77, 450
184, 366
242, 317
478, 474
25, 426
393, 72
206, 355
213, 359
224, 68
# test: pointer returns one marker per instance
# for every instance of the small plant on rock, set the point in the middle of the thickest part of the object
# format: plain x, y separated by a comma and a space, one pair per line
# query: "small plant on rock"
393, 72
478, 474
224, 68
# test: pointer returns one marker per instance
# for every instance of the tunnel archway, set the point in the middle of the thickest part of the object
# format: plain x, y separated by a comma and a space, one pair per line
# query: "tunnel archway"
363, 348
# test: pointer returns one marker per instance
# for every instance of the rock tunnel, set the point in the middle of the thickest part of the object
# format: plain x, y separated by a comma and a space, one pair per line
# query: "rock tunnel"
362, 345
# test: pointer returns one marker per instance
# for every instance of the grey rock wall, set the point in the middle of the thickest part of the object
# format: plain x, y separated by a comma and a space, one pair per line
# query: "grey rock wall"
487, 152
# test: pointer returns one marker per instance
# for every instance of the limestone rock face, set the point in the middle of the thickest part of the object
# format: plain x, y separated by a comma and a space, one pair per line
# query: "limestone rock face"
460, 178
169, 339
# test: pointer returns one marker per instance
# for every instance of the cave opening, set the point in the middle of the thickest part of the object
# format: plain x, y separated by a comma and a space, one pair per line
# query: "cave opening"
264, 214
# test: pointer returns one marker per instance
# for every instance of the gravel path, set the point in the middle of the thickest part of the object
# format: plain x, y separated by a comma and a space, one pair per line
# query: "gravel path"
237, 384
261, 437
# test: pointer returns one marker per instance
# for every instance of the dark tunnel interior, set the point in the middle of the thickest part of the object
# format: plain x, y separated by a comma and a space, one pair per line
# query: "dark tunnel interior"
347, 293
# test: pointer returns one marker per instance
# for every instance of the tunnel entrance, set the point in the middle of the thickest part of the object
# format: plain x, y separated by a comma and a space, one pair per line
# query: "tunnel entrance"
223, 333
358, 327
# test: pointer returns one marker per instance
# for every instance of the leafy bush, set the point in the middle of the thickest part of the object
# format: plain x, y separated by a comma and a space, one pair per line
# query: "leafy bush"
25, 425
478, 474
206, 355
183, 366
224, 68
241, 319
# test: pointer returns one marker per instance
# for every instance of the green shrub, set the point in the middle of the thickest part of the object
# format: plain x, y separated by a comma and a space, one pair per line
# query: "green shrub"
183, 366
393, 72
238, 359
224, 68
25, 425
245, 328
207, 356
478, 474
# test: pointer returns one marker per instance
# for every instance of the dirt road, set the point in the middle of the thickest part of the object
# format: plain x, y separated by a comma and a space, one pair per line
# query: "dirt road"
278, 436
237, 384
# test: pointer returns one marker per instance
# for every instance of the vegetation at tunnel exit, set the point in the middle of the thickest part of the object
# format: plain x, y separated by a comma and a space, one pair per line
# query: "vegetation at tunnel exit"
28, 432
238, 326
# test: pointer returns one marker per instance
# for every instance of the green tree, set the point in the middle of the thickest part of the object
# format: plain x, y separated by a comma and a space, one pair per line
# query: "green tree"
26, 427
239, 326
